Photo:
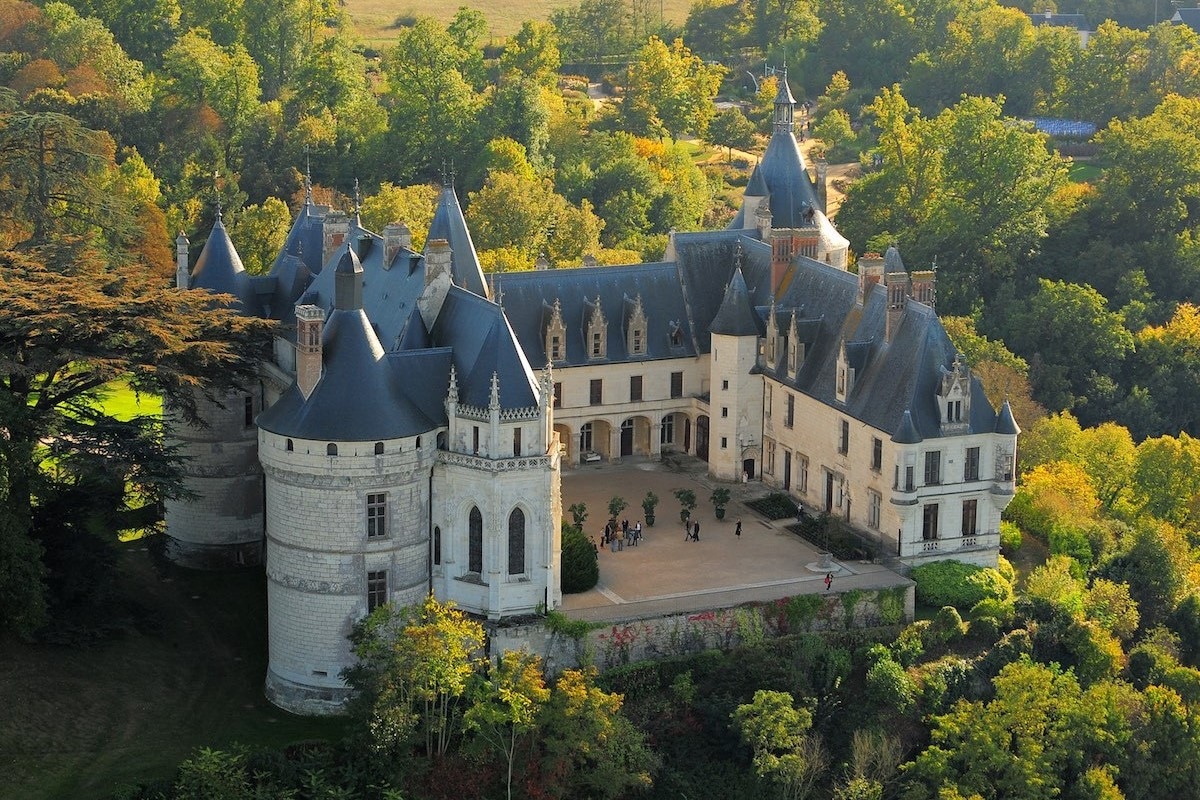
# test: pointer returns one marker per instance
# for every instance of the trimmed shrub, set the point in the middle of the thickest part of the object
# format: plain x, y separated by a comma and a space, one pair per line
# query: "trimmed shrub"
580, 566
910, 644
953, 583
889, 686
947, 626
985, 630
1010, 537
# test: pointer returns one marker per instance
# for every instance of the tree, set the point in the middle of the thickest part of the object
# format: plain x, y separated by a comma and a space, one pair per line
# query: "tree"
775, 730
414, 667
1168, 367
202, 73
731, 129
589, 748
669, 91
532, 52
527, 215
261, 231
412, 205
507, 704
22, 578
1166, 478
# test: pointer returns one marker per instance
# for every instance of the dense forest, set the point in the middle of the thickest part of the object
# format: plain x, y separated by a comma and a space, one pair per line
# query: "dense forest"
1067, 271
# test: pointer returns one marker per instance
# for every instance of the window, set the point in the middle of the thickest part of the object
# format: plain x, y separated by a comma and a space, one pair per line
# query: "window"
970, 509
954, 411
376, 515
377, 592
724, 385
516, 542
724, 443
475, 439
802, 474
676, 384
516, 441
929, 524
437, 546
676, 337
767, 403
635, 389
596, 391
475, 542
844, 438
876, 454
1004, 466
597, 345
724, 411
933, 467
585, 438
667, 431
770, 456
249, 411
910, 479
874, 505
379, 448
971, 465
639, 341
557, 394
331, 449
290, 445
556, 348
789, 415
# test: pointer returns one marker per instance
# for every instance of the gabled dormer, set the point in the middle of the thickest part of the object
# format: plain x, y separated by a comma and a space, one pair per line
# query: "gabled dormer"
675, 335
556, 335
635, 328
596, 331
954, 397
845, 375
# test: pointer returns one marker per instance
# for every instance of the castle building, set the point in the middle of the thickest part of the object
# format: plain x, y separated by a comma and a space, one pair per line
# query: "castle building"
406, 443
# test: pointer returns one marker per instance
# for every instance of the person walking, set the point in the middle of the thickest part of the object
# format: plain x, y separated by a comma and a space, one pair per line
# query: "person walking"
828, 580
696, 532
737, 529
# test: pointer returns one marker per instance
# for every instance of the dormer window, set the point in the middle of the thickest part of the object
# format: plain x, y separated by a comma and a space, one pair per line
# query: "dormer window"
791, 365
635, 332
845, 376
556, 335
795, 348
676, 335
597, 333
954, 397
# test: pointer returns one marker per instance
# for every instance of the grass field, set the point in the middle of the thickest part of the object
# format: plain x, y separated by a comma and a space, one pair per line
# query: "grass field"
81, 722
123, 403
1085, 171
373, 18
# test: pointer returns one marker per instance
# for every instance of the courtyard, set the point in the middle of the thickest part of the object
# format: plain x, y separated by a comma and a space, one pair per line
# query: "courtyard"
665, 574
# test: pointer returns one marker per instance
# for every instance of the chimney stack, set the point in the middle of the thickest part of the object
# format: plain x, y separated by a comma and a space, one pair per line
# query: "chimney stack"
182, 272
310, 325
396, 236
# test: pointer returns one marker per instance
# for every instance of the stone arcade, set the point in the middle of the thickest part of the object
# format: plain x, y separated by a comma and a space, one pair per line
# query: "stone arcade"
400, 440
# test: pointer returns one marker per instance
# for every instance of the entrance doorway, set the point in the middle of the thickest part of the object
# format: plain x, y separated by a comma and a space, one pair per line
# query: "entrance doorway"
702, 437
627, 437
787, 470
828, 492
748, 468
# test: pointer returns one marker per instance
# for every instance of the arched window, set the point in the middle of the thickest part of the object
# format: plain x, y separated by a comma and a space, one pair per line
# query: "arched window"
475, 542
379, 448
290, 446
331, 449
516, 542
437, 546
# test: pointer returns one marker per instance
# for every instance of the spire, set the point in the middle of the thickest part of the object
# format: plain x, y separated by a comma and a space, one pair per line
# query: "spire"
736, 316
307, 178
1005, 423
452, 392
785, 105
907, 434
495, 398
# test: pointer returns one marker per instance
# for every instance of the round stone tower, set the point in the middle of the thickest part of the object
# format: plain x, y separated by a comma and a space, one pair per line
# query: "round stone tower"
221, 525
347, 459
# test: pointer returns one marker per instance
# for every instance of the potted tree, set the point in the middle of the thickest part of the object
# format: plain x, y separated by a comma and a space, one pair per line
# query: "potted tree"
615, 506
687, 502
720, 499
649, 503
578, 513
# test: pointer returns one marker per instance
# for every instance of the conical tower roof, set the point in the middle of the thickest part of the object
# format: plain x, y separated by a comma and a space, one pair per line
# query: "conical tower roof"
1005, 422
449, 224
219, 270
736, 316
907, 434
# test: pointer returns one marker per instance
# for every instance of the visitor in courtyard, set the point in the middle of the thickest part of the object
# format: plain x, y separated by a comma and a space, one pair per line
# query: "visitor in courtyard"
828, 580
737, 529
696, 532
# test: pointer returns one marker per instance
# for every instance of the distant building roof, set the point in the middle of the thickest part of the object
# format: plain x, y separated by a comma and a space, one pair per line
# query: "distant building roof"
1074, 21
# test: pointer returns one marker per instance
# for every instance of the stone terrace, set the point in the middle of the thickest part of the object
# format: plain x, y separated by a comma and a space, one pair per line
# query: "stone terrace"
665, 574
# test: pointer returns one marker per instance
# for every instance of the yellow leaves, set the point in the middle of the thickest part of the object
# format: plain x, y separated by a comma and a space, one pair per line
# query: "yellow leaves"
1060, 488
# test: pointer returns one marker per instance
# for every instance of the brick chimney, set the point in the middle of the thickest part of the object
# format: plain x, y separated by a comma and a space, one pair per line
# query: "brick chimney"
182, 272
396, 236
310, 325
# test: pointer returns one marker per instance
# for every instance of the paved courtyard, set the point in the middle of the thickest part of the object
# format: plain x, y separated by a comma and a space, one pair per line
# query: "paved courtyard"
665, 574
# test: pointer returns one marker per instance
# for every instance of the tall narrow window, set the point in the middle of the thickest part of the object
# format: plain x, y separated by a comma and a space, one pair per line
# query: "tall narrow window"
929, 523
516, 542
909, 478
585, 438
844, 438
874, 506
516, 442
475, 542
475, 439
802, 474
667, 431
596, 392
676, 384
556, 348
597, 344
376, 515
635, 388
249, 410
437, 546
331, 449
789, 414
971, 465
933, 467
877, 454
377, 591
970, 511
557, 394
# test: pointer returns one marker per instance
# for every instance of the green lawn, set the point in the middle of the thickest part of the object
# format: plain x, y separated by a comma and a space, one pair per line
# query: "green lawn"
80, 722
123, 403
373, 19
1085, 172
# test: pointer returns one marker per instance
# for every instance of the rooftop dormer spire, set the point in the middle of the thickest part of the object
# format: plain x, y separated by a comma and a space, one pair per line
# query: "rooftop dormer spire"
785, 105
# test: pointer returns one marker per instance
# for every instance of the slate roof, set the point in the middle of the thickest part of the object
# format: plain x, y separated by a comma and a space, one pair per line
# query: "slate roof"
736, 316
448, 224
756, 186
1005, 422
219, 270
361, 396
908, 431
891, 378
483, 342
1187, 16
1075, 21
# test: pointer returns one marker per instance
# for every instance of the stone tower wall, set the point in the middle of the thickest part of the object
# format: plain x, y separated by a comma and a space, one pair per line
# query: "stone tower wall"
731, 359
223, 526
318, 554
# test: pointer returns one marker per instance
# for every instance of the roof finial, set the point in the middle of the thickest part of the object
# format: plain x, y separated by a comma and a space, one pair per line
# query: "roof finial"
452, 172
737, 255
357, 198
217, 191
307, 177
